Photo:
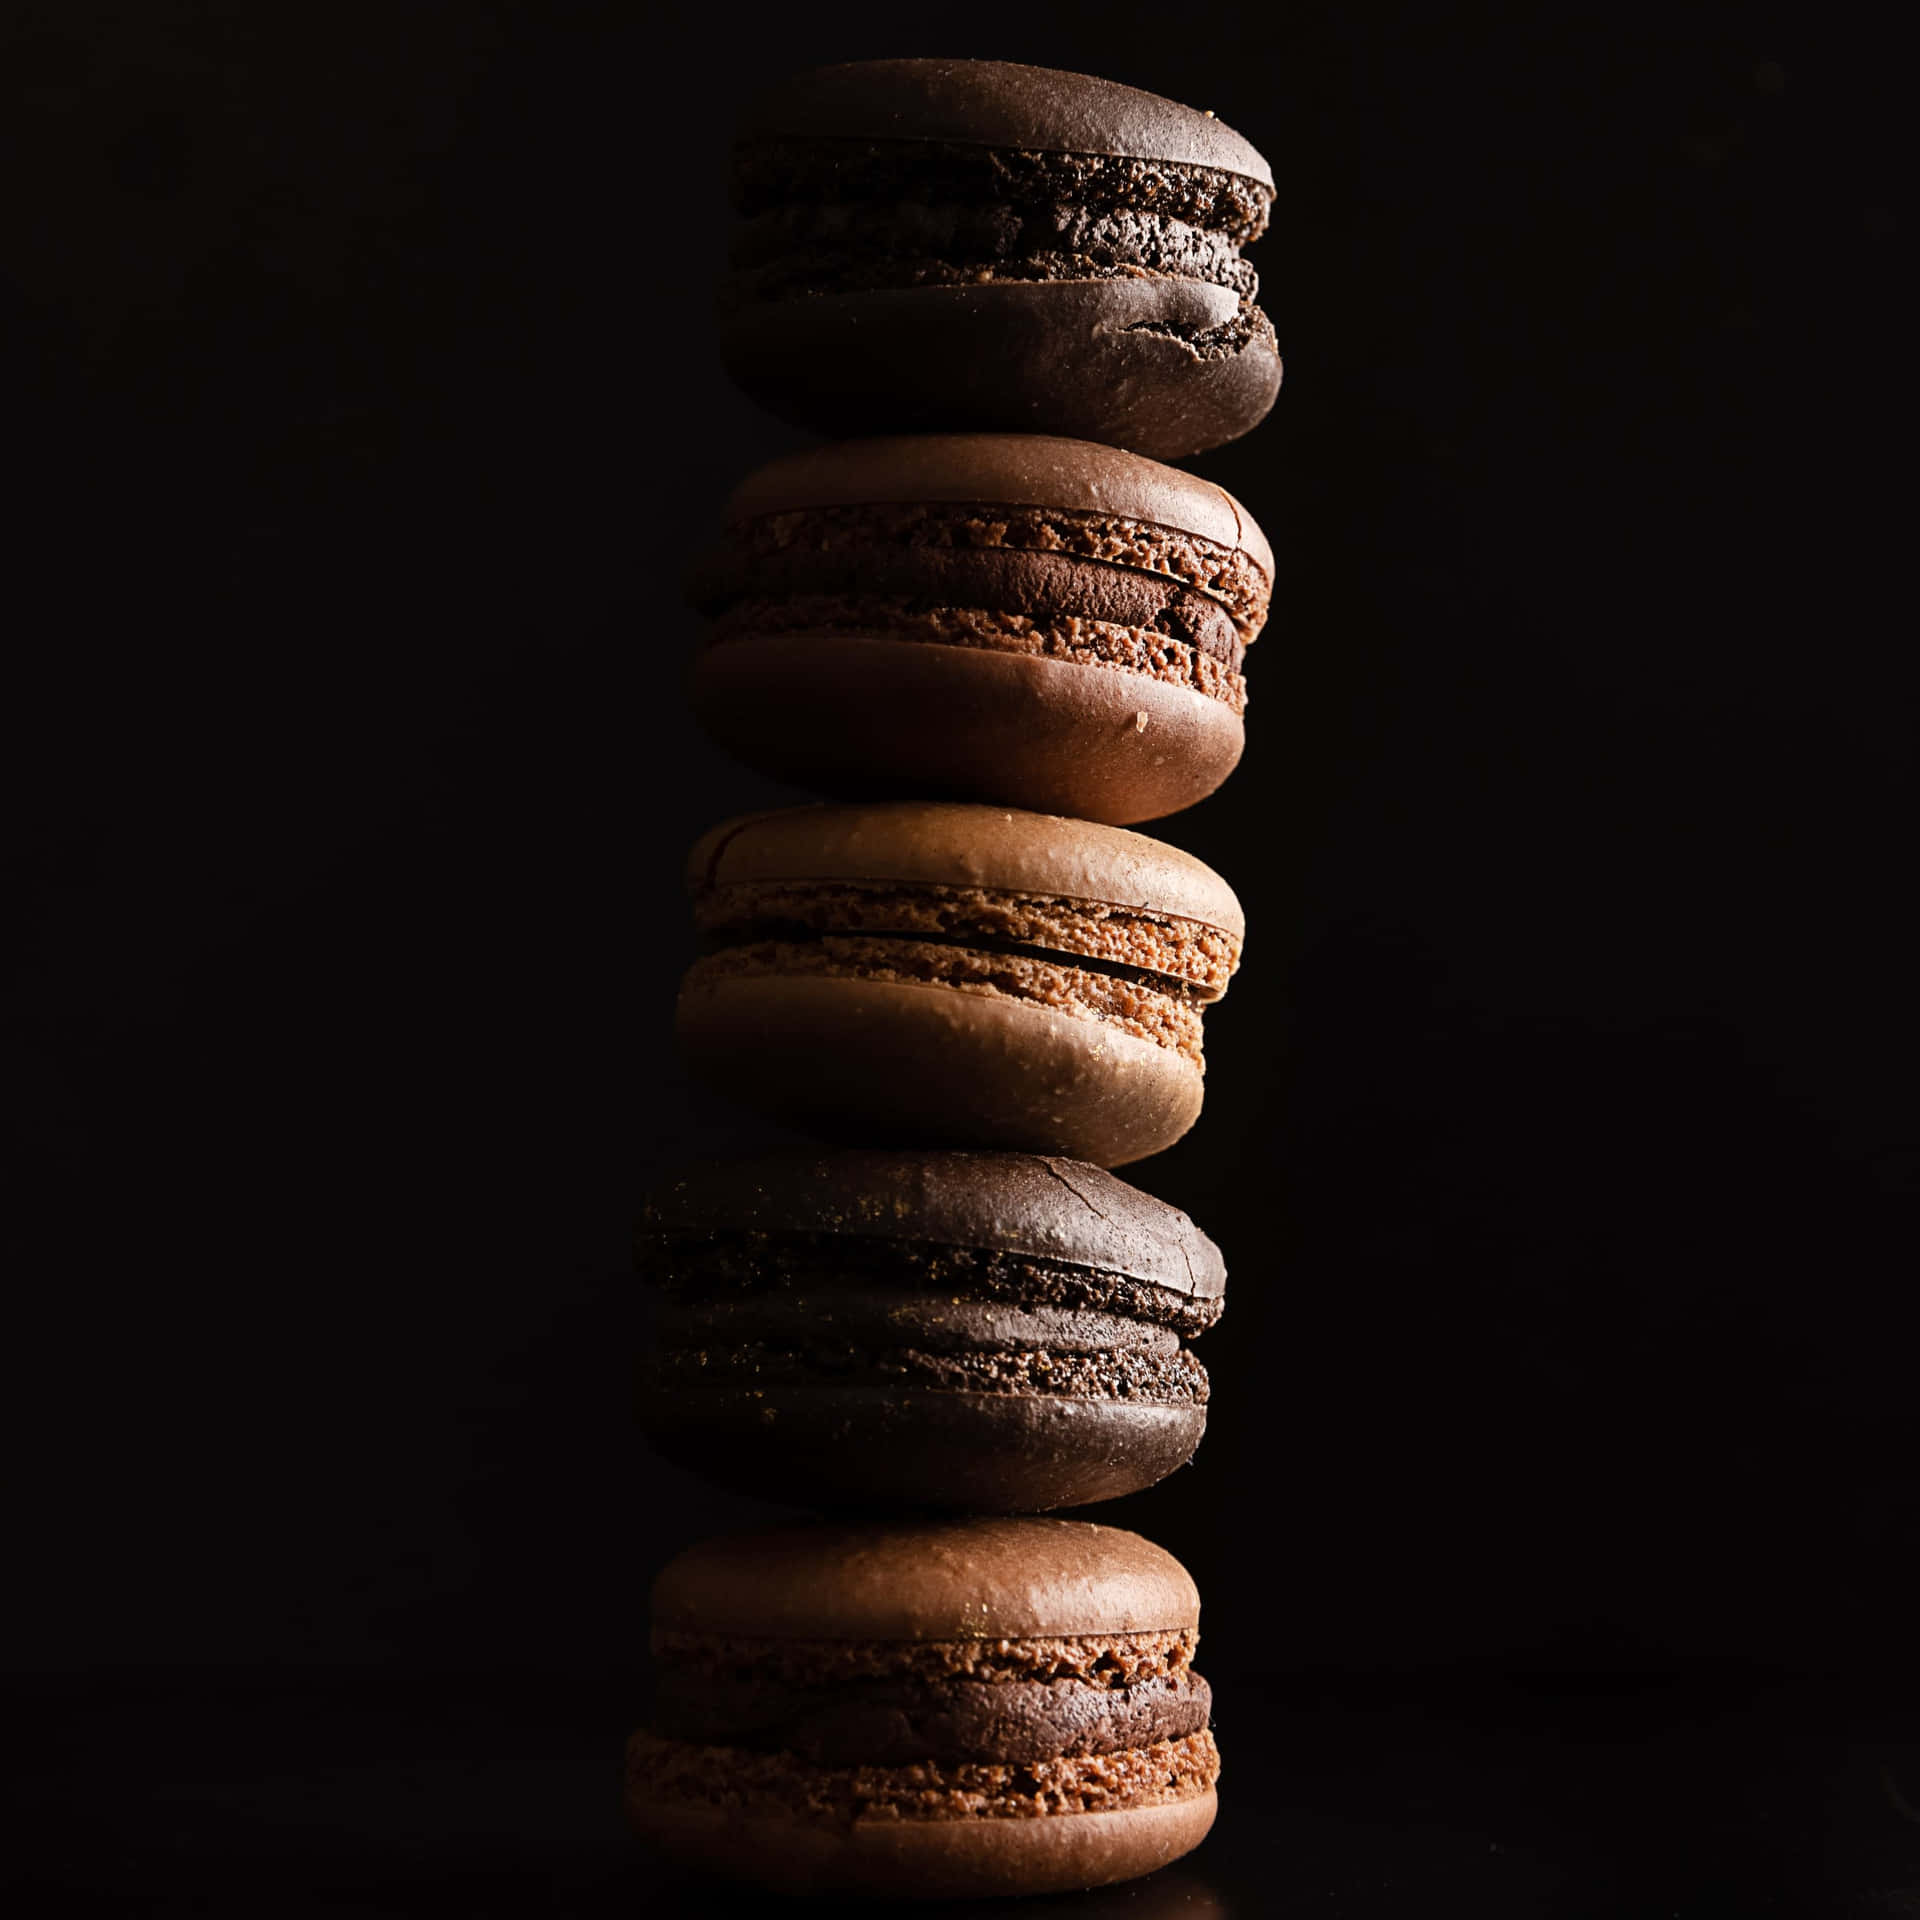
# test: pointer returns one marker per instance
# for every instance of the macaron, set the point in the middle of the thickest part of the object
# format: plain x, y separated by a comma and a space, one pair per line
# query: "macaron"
996, 1332
988, 1706
1050, 624
953, 244
933, 974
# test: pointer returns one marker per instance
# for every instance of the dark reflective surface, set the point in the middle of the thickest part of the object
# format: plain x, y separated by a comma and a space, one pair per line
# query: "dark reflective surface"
1459, 1793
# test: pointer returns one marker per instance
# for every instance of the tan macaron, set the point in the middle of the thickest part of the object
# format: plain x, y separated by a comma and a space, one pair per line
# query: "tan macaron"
927, 1710
945, 975
1034, 622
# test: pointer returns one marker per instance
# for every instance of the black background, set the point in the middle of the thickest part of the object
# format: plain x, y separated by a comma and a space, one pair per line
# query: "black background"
1559, 1128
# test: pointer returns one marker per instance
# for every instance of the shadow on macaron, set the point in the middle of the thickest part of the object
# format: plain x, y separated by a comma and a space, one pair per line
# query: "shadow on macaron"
999, 1333
1045, 623
975, 244
927, 1711
913, 973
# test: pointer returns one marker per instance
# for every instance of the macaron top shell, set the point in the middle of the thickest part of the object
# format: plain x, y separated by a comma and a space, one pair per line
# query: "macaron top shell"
997, 103
1042, 1206
970, 1579
1002, 469
951, 845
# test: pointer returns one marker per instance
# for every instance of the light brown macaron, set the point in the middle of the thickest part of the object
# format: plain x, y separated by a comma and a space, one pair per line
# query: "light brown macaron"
1045, 623
923, 974
927, 1710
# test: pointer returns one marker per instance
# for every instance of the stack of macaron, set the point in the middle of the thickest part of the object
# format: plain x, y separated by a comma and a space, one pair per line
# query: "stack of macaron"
994, 632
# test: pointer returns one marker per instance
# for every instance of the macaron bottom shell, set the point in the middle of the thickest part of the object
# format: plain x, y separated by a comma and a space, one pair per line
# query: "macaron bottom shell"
925, 1859
1162, 366
851, 714
980, 1452
884, 1062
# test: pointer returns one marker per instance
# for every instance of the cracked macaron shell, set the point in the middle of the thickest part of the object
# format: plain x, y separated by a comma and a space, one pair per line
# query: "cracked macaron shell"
1046, 1206
1033, 251
972, 1331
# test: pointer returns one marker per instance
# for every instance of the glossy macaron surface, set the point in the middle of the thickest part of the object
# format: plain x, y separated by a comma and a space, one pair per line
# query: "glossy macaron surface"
947, 975
983, 1331
1045, 623
958, 245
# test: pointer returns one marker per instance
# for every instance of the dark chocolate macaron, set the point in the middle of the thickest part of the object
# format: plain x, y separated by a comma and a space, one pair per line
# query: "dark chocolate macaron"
990, 1331
955, 244
1046, 623
930, 1711
913, 973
